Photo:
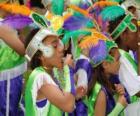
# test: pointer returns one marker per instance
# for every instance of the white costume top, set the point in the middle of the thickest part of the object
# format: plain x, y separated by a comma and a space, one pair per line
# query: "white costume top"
128, 76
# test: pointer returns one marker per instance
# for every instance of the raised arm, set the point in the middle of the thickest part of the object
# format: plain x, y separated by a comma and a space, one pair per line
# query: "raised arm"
10, 37
62, 100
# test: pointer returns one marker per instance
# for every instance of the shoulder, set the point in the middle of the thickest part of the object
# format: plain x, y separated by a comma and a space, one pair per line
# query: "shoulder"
43, 78
101, 98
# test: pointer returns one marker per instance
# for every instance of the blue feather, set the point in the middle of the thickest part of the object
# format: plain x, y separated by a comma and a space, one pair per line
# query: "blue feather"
76, 22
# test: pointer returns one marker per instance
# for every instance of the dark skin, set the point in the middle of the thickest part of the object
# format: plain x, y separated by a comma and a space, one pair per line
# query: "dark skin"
130, 40
128, 37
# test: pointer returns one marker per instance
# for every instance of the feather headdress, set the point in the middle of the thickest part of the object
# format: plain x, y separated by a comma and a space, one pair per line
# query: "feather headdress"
92, 40
102, 4
99, 53
76, 22
75, 37
112, 13
57, 7
17, 21
85, 13
16, 9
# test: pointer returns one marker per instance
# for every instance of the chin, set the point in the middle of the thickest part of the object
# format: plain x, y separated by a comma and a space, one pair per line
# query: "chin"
59, 66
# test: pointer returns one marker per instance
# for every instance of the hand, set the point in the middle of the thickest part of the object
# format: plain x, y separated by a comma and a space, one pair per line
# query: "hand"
80, 92
69, 61
120, 89
122, 100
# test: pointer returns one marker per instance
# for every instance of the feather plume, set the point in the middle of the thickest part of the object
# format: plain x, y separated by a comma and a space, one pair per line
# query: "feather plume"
80, 10
16, 9
76, 22
86, 14
102, 4
74, 35
98, 53
110, 13
89, 41
17, 21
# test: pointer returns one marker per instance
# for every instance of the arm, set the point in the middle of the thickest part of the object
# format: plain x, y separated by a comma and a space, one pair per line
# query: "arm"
100, 106
10, 37
118, 108
62, 100
121, 104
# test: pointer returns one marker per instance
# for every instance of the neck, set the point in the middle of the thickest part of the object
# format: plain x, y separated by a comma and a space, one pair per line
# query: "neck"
48, 70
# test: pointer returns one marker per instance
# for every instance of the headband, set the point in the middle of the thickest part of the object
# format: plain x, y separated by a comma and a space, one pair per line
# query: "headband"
36, 42
126, 22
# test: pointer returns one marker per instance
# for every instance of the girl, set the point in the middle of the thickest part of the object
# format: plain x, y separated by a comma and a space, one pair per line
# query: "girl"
44, 95
101, 92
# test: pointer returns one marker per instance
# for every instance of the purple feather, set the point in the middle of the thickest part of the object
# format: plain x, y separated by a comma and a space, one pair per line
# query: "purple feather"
75, 23
17, 21
98, 53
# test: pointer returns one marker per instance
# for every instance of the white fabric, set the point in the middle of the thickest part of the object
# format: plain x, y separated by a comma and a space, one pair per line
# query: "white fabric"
13, 72
82, 57
131, 54
40, 80
82, 74
132, 109
128, 76
82, 78
8, 96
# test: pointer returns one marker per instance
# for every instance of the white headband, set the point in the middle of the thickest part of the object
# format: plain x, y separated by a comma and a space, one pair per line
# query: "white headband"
33, 46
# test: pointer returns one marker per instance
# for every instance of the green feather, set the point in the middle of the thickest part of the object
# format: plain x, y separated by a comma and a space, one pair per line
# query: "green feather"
74, 35
57, 7
111, 13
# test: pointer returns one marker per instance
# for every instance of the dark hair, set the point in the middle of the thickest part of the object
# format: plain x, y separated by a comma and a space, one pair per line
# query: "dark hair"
99, 76
21, 2
113, 25
36, 3
35, 61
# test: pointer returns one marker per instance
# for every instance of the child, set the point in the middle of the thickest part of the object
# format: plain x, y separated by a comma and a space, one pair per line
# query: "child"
43, 94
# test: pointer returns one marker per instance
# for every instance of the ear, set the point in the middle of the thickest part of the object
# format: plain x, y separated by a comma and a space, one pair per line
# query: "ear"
41, 58
124, 36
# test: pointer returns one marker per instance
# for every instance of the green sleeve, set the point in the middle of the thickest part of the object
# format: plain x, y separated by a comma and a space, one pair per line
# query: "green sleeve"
116, 111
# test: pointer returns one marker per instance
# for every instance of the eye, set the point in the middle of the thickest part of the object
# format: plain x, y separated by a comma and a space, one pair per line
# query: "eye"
55, 44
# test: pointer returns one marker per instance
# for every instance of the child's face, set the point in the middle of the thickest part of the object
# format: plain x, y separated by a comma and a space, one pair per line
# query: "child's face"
56, 60
132, 38
113, 67
116, 64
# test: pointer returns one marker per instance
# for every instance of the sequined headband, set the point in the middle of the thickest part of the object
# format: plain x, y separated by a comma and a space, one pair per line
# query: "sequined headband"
126, 22
33, 46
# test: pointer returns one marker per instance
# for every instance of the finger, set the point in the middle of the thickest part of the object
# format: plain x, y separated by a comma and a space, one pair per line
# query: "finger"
121, 92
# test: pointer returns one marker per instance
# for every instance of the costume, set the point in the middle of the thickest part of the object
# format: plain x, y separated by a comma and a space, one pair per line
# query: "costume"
128, 68
35, 81
99, 52
12, 67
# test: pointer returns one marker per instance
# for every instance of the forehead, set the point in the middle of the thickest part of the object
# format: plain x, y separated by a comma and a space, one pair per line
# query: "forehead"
50, 39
